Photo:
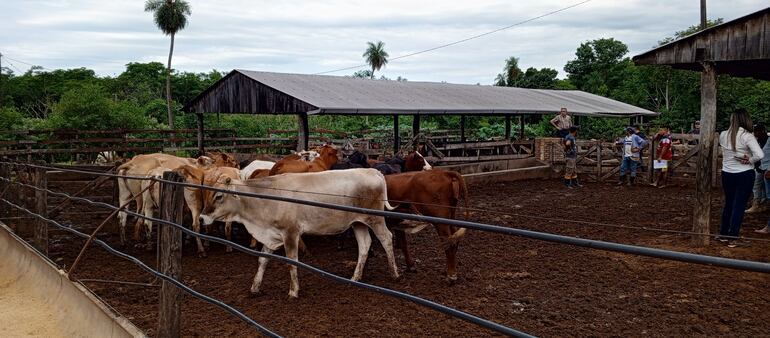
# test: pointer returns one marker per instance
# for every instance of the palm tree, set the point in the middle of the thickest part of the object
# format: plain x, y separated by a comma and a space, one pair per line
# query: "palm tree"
376, 56
170, 17
511, 71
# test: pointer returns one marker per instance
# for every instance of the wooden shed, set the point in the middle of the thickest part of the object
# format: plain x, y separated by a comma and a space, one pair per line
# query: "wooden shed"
740, 47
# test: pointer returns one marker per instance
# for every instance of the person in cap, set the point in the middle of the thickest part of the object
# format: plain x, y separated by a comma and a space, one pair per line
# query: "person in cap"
695, 131
665, 154
631, 145
570, 159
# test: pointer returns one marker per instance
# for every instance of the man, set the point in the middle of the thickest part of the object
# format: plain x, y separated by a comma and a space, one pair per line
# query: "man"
570, 157
695, 131
631, 144
562, 123
665, 155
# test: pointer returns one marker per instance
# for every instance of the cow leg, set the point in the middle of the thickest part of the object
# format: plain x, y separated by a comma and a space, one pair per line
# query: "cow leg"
260, 271
139, 221
364, 242
196, 225
291, 246
402, 242
148, 209
253, 243
124, 196
445, 231
386, 239
229, 234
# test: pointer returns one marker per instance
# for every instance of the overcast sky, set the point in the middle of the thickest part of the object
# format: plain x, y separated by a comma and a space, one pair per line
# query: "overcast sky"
301, 36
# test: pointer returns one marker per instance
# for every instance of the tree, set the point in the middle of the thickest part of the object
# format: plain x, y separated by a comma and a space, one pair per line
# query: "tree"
538, 78
376, 56
510, 74
599, 66
170, 17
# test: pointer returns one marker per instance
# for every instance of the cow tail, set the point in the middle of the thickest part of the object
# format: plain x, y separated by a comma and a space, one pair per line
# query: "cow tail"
122, 173
461, 192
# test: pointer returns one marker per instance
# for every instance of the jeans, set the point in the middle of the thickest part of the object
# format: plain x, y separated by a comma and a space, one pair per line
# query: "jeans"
759, 188
737, 187
628, 165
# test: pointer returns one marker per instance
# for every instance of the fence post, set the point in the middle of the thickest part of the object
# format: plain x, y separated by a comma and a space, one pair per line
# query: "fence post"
598, 161
4, 187
41, 208
170, 256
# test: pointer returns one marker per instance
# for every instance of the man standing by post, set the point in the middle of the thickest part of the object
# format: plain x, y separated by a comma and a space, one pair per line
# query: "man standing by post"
631, 144
562, 123
570, 159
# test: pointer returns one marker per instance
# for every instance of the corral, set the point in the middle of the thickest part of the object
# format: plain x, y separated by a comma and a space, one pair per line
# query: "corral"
539, 288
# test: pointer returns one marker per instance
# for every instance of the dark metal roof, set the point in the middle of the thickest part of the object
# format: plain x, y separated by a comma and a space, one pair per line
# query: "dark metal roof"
740, 47
244, 91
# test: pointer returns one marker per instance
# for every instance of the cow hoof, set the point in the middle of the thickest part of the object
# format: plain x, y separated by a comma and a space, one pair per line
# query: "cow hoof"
412, 268
229, 249
293, 295
257, 293
202, 254
452, 280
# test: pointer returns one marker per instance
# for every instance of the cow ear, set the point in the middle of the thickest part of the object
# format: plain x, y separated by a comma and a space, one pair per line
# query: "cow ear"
224, 156
228, 180
184, 171
205, 161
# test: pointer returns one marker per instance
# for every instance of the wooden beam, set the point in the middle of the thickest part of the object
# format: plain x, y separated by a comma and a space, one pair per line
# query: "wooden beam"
507, 127
708, 116
521, 127
396, 139
415, 125
304, 132
201, 149
40, 240
170, 256
462, 128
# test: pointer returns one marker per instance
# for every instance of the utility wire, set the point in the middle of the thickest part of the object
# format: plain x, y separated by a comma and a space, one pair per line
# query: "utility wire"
464, 40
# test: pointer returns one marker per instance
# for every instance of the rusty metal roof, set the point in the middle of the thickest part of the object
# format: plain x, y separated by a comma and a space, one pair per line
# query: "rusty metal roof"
352, 96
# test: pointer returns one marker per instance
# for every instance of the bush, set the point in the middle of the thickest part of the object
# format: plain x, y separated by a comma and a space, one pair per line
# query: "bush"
89, 108
10, 118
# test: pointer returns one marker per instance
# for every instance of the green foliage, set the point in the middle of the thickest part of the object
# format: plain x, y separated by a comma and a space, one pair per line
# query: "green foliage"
10, 119
602, 128
689, 31
170, 16
90, 108
538, 78
376, 56
599, 66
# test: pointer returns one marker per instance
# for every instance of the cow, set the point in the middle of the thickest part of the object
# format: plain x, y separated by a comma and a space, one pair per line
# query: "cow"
326, 159
276, 223
356, 160
414, 161
431, 193
141, 166
255, 165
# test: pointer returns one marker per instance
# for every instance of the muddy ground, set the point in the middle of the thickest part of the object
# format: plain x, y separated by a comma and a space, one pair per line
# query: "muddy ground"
540, 288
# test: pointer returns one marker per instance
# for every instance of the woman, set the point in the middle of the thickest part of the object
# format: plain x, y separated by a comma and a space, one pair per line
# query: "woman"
740, 150
757, 203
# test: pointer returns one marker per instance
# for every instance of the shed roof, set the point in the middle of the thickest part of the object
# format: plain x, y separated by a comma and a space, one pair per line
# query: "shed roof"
244, 91
740, 47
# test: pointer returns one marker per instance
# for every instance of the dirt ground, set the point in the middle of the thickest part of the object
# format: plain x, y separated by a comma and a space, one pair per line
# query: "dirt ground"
540, 288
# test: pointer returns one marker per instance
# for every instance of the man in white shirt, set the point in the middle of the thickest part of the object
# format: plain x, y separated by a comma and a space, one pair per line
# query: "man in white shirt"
562, 123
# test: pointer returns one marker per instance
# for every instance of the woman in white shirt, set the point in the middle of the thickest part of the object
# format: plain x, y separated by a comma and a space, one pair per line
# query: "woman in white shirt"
740, 150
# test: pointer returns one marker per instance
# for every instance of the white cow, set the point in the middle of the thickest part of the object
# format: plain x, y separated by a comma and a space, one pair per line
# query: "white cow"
276, 223
255, 165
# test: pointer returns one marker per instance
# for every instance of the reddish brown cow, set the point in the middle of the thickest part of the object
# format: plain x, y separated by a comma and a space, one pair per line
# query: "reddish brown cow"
431, 193
290, 164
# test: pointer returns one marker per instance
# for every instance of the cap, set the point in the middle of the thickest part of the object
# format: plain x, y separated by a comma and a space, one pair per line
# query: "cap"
630, 129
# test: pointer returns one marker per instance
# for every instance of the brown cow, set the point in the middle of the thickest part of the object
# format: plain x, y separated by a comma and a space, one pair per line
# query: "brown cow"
326, 159
431, 193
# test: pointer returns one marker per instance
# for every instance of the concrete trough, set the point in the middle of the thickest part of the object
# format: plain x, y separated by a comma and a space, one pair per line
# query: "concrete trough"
38, 300
503, 171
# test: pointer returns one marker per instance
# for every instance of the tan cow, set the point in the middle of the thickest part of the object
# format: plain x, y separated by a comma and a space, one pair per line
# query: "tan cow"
276, 224
142, 166
295, 164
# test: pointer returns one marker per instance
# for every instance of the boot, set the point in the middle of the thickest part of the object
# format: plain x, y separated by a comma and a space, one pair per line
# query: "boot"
576, 183
622, 180
568, 183
755, 207
631, 181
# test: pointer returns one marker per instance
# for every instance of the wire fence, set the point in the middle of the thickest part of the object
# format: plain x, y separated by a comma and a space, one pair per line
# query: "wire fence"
581, 242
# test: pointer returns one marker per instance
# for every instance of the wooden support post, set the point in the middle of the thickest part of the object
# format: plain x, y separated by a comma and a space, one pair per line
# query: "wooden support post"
715, 162
5, 191
522, 134
396, 137
462, 129
304, 132
415, 125
201, 149
40, 240
598, 161
708, 111
170, 256
653, 157
508, 127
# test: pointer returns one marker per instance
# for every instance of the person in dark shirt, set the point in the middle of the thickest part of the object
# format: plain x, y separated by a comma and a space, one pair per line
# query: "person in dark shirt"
757, 203
695, 131
570, 159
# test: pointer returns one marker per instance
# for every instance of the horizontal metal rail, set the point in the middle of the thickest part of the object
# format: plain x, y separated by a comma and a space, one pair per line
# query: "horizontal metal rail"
152, 271
389, 292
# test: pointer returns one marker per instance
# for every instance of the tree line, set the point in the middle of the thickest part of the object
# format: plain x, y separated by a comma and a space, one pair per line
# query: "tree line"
138, 98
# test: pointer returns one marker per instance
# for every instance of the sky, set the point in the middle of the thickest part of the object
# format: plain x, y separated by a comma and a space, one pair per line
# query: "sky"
301, 36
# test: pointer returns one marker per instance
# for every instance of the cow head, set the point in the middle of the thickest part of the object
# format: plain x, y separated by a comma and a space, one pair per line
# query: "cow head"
328, 155
204, 161
416, 162
217, 205
223, 159
358, 158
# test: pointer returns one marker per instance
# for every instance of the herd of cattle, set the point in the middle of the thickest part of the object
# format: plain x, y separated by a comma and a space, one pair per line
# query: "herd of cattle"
405, 184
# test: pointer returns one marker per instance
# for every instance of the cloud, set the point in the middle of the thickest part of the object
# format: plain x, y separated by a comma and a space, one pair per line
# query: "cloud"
303, 36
